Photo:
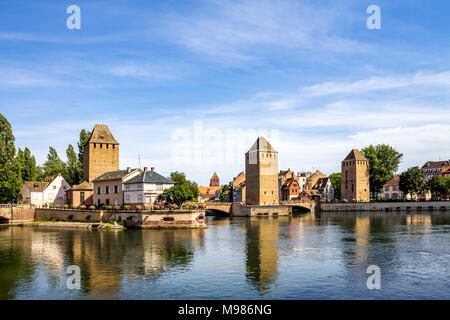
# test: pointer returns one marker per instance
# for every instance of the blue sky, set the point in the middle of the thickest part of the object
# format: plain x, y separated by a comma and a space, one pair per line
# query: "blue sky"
308, 75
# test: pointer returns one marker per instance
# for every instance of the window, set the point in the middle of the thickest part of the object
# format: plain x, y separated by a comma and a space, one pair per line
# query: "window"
127, 187
98, 203
139, 186
139, 198
95, 145
386, 189
107, 190
127, 199
148, 199
116, 189
395, 188
101, 145
114, 146
107, 202
386, 195
54, 187
99, 190
116, 202
81, 196
107, 146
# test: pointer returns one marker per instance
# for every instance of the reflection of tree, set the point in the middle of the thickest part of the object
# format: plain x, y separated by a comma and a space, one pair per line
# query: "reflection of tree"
15, 263
262, 252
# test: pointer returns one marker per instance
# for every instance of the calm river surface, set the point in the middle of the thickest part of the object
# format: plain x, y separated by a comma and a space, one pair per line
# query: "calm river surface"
321, 256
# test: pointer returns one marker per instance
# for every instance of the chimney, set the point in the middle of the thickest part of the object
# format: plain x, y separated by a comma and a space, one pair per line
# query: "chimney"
145, 169
128, 169
153, 169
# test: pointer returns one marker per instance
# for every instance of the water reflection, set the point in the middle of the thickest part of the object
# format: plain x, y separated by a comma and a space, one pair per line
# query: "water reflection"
322, 255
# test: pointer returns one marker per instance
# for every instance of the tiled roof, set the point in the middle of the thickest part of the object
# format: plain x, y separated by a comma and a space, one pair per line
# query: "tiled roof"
394, 181
261, 144
355, 154
149, 177
436, 164
37, 186
101, 134
214, 176
113, 175
208, 190
321, 184
83, 186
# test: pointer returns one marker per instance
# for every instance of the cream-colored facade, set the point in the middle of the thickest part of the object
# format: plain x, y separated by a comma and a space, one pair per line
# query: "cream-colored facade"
355, 177
261, 171
101, 153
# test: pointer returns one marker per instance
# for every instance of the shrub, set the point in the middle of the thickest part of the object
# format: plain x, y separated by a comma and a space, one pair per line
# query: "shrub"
116, 207
138, 207
92, 207
82, 207
57, 206
108, 207
127, 207
66, 206
156, 207
74, 207
147, 206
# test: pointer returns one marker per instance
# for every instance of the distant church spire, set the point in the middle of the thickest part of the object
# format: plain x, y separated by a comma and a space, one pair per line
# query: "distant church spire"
215, 181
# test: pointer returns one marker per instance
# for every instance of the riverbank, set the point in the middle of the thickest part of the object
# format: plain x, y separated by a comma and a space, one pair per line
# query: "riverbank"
62, 224
387, 206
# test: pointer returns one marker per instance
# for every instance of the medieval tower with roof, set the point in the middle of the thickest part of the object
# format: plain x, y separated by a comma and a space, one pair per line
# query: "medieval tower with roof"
261, 171
214, 181
355, 177
101, 153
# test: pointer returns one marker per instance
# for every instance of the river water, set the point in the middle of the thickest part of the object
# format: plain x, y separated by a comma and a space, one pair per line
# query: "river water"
316, 256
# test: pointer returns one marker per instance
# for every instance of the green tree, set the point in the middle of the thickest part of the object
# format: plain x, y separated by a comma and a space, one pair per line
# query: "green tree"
54, 164
225, 190
439, 186
336, 180
10, 177
383, 163
183, 190
74, 168
84, 137
412, 181
27, 162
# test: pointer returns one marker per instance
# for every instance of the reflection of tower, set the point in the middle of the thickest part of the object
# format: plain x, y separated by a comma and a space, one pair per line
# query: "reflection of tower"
262, 252
362, 232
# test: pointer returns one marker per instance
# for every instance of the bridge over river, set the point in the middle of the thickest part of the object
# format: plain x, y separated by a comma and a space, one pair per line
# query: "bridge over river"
238, 209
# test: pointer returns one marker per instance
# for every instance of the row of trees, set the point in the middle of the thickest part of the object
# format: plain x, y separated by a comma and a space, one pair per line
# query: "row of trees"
413, 182
20, 166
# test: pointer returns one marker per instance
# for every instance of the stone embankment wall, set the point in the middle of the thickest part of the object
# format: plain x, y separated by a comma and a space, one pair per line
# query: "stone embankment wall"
387, 206
16, 213
153, 219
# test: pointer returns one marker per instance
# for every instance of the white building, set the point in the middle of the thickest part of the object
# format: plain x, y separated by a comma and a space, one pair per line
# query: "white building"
50, 191
145, 188
325, 187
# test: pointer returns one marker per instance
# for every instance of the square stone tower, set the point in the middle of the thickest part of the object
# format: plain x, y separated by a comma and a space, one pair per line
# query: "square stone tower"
261, 171
101, 153
355, 177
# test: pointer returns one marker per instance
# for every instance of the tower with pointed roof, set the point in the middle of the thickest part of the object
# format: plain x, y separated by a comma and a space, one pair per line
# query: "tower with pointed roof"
101, 153
261, 171
214, 181
355, 177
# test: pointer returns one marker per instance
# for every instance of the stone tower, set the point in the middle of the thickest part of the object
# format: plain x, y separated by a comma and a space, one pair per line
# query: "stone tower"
261, 171
355, 177
215, 181
101, 153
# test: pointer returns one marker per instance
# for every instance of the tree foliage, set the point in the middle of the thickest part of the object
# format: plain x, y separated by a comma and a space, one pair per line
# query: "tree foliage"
225, 190
183, 190
336, 180
84, 137
74, 169
412, 181
383, 163
10, 174
54, 164
439, 186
